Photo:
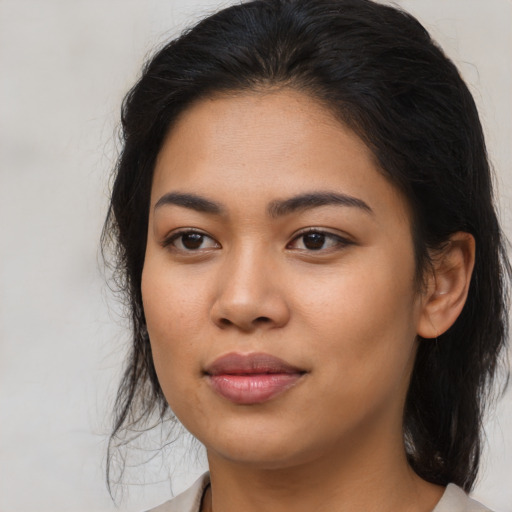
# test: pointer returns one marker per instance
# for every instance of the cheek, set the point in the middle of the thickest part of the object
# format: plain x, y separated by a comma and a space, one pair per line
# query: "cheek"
172, 308
363, 318
366, 294
173, 301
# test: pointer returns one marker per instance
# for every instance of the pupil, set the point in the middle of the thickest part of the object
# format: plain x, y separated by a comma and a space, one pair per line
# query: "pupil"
192, 240
314, 241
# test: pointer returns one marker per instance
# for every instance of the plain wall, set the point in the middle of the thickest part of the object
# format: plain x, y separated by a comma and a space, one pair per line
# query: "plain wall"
64, 67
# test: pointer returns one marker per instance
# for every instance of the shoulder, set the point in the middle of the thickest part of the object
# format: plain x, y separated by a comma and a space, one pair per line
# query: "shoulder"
188, 501
455, 499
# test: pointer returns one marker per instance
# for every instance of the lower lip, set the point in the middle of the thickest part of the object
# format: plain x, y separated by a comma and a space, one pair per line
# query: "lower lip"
252, 388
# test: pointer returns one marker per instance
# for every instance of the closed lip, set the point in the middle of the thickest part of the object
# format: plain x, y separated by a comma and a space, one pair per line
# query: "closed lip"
249, 379
250, 364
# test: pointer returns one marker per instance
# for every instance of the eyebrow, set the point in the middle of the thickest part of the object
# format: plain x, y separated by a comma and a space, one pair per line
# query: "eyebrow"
191, 201
277, 208
310, 200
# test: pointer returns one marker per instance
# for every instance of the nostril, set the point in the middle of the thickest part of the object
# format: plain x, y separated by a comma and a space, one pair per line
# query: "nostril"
262, 320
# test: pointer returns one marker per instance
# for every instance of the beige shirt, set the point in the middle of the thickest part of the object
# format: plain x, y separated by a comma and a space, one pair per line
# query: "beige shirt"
454, 499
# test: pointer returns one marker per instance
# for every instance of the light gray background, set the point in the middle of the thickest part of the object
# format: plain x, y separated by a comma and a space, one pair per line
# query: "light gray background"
64, 67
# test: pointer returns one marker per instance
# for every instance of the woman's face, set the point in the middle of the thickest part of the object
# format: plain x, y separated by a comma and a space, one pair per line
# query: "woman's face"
279, 282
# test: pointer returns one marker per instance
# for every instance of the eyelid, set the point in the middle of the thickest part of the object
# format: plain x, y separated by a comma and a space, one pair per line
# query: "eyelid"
168, 240
343, 240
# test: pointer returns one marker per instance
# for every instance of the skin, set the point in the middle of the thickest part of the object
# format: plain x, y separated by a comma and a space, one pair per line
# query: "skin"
347, 313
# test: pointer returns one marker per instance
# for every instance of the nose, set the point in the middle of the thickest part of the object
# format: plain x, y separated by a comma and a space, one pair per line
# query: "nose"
250, 294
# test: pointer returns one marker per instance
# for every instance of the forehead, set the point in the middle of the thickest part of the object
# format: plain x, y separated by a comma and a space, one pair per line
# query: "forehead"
263, 145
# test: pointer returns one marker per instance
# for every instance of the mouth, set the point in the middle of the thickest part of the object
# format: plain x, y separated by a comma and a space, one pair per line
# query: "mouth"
247, 379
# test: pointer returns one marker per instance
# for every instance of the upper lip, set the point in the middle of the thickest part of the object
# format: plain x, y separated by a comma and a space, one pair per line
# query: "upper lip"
249, 364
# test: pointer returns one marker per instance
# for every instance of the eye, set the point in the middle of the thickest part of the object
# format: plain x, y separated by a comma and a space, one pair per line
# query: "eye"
317, 240
190, 241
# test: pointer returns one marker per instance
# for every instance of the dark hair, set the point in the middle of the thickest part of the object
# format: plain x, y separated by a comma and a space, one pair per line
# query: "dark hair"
378, 70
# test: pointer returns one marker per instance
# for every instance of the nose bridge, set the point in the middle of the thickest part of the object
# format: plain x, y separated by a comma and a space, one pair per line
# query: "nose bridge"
249, 295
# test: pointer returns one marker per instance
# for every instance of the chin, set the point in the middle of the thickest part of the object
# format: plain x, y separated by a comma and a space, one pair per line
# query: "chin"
258, 457
267, 449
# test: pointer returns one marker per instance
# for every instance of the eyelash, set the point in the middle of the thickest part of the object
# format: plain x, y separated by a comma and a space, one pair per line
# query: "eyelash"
169, 241
339, 241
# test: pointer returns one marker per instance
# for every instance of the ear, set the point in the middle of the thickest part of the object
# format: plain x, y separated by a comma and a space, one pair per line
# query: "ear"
447, 285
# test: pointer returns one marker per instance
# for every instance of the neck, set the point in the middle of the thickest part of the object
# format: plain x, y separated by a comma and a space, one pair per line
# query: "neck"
375, 477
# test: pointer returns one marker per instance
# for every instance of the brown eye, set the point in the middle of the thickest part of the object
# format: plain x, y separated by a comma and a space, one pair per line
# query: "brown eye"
313, 241
191, 241
316, 240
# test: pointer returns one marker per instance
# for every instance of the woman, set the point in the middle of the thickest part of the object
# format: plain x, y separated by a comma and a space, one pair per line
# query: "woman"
305, 230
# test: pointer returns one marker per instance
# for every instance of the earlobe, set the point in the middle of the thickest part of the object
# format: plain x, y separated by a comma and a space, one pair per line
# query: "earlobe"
447, 285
